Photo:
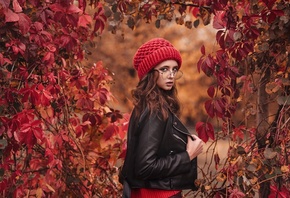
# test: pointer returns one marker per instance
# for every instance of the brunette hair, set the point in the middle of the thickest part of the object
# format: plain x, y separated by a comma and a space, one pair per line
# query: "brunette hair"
148, 95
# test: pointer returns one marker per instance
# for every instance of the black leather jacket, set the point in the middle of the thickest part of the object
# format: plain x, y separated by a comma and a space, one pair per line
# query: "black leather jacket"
156, 154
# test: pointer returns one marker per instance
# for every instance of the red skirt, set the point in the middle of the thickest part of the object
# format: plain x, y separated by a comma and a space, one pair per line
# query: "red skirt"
152, 193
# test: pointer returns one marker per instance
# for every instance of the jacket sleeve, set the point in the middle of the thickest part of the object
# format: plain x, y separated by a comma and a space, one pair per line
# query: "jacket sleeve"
148, 165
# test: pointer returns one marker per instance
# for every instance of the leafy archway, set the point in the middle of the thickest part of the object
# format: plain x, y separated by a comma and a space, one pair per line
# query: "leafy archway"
59, 136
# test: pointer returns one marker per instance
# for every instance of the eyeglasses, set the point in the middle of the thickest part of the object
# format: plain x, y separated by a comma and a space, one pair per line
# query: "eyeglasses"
165, 73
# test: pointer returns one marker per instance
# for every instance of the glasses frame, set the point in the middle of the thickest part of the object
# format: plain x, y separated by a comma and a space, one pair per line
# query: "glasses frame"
174, 73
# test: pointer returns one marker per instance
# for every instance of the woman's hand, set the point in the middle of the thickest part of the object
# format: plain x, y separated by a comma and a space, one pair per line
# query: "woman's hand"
194, 146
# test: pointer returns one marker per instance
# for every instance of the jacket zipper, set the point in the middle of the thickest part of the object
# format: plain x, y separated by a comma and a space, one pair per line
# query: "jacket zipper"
188, 134
180, 130
177, 137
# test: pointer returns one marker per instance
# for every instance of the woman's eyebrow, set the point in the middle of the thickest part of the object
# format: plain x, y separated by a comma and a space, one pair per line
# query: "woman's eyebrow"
166, 66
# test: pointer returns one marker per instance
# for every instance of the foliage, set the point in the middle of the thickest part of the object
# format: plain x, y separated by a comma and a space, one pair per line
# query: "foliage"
58, 132
58, 136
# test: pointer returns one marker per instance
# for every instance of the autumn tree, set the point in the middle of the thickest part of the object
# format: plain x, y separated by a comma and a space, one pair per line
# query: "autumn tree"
58, 131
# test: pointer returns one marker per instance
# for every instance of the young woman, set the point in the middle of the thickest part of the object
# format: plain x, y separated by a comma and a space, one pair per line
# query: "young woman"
161, 153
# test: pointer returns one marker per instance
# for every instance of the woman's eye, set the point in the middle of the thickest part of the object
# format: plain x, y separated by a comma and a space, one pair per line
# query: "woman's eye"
175, 69
164, 69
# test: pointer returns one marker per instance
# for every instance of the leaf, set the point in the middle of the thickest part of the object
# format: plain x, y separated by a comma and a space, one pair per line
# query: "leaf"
100, 19
57, 8
209, 107
24, 23
114, 115
269, 153
202, 50
241, 150
211, 91
102, 95
238, 133
72, 9
110, 131
10, 16
216, 160
84, 20
219, 20
278, 192
131, 23
205, 131
38, 192
16, 6
283, 100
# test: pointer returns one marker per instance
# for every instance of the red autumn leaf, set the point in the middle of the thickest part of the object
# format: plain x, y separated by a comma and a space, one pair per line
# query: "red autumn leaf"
219, 20
279, 193
125, 123
102, 95
238, 133
10, 16
48, 58
100, 19
110, 131
24, 23
269, 3
220, 38
123, 154
25, 116
72, 9
194, 11
4, 60
29, 92
77, 79
84, 100
49, 155
44, 95
16, 6
211, 91
216, 160
219, 105
35, 164
81, 129
94, 119
57, 8
84, 20
98, 71
17, 46
209, 107
202, 50
206, 64
114, 115
29, 133
205, 131
38, 35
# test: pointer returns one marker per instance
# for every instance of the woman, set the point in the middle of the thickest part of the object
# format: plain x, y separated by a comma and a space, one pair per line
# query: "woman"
161, 154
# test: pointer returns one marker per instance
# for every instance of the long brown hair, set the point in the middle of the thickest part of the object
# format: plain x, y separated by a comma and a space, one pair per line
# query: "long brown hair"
147, 94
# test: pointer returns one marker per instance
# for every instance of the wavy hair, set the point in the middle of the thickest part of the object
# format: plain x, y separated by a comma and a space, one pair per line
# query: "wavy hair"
147, 94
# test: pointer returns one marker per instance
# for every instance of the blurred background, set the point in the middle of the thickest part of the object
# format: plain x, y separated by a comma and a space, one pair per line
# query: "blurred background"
117, 51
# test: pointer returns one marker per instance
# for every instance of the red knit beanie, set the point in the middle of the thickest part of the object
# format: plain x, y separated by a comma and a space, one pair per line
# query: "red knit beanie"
153, 52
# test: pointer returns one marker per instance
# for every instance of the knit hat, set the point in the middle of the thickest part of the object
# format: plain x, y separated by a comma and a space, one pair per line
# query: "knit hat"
152, 53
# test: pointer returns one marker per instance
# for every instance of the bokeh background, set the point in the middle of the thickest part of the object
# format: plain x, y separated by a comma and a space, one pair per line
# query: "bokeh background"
117, 51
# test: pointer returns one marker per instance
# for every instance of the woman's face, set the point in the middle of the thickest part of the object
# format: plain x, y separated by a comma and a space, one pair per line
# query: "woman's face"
167, 72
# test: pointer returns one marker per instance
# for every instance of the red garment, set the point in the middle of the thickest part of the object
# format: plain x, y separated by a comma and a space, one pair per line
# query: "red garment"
152, 193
